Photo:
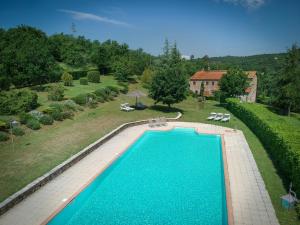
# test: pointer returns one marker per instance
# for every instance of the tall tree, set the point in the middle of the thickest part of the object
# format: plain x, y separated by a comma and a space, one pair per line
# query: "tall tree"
234, 83
288, 83
26, 57
169, 84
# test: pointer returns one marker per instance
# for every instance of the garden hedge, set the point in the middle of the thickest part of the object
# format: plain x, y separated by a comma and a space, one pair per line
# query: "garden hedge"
78, 74
279, 134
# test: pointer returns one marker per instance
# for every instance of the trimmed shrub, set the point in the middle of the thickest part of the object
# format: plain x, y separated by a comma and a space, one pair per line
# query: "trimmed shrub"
83, 99
124, 86
101, 92
70, 105
100, 99
113, 89
83, 81
275, 134
67, 79
46, 120
3, 125
36, 114
24, 117
67, 115
57, 115
78, 74
93, 76
33, 124
56, 92
18, 131
16, 101
4, 136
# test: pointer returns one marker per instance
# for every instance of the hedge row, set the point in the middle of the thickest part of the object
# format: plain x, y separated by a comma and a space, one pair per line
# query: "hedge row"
280, 136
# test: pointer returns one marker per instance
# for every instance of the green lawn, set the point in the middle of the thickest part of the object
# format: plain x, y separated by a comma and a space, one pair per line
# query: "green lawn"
39, 151
78, 89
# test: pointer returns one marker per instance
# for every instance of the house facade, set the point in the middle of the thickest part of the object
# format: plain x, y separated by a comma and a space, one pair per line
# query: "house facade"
211, 83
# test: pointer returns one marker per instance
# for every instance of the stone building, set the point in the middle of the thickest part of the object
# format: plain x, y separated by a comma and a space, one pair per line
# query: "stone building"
212, 78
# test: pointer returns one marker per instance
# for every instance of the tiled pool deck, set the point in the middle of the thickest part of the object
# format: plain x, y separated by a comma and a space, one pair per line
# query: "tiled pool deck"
251, 203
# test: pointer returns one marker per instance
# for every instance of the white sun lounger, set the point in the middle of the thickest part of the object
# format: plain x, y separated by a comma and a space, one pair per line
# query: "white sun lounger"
218, 117
125, 107
226, 118
212, 116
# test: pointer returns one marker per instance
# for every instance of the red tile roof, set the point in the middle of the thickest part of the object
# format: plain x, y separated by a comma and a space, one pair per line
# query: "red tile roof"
215, 75
208, 75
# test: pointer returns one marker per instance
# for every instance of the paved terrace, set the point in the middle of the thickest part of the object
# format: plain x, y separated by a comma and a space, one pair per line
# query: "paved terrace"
251, 203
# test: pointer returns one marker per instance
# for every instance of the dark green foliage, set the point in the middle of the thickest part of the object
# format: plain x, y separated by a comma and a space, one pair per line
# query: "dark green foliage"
4, 136
56, 92
4, 82
233, 83
169, 84
100, 99
297, 209
74, 51
122, 69
83, 81
57, 115
16, 101
18, 131
77, 74
124, 86
24, 117
101, 92
286, 94
3, 125
114, 89
84, 99
46, 120
275, 134
33, 124
93, 76
26, 59
67, 79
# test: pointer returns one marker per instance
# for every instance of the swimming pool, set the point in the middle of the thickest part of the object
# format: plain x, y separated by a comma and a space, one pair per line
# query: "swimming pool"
165, 177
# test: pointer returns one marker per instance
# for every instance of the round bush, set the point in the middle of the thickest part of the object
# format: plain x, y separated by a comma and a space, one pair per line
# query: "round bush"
67, 79
4, 136
3, 125
101, 93
18, 131
56, 92
70, 105
67, 114
24, 117
46, 120
57, 115
83, 99
113, 89
33, 124
100, 99
36, 114
93, 76
83, 81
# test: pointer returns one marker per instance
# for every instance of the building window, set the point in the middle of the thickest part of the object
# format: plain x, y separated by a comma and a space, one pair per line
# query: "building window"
206, 82
194, 82
213, 83
196, 91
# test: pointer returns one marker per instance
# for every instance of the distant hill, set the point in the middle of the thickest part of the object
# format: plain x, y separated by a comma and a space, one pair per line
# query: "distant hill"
264, 62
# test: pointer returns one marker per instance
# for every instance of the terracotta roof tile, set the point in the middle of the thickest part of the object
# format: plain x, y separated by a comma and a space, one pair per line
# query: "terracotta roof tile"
215, 75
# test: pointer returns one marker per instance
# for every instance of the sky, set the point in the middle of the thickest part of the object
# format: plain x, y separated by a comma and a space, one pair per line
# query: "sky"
201, 27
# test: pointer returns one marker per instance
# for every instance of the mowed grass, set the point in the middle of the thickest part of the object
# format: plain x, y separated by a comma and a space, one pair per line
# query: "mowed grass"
76, 89
39, 151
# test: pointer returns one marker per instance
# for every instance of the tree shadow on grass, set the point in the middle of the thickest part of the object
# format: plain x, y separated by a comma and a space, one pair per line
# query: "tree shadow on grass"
165, 109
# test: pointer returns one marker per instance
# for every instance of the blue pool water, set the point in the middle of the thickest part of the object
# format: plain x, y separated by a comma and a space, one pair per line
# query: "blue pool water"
165, 177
